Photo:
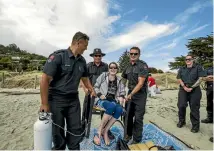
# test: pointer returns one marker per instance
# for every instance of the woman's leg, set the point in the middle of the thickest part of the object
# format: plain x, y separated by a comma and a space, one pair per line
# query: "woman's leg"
116, 115
109, 109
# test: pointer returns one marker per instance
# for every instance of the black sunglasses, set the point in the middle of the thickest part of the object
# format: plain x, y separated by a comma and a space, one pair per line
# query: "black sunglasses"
97, 55
112, 67
188, 59
135, 54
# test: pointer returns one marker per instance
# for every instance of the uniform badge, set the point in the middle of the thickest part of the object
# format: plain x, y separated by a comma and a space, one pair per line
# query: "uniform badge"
145, 67
50, 59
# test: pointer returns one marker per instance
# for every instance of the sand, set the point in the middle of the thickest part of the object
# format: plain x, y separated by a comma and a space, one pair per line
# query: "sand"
18, 113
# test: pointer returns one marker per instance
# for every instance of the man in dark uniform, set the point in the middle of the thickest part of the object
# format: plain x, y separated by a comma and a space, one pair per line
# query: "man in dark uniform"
190, 77
97, 67
137, 74
209, 92
59, 91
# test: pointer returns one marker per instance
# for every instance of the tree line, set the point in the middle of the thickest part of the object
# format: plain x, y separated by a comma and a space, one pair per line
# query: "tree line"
13, 58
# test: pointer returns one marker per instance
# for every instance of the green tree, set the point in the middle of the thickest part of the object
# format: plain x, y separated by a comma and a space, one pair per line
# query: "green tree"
201, 48
123, 61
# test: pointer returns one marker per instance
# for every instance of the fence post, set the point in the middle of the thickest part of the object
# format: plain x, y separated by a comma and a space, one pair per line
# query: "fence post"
35, 82
3, 77
166, 82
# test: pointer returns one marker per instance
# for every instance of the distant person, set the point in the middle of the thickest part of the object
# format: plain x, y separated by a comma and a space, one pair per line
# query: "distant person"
190, 77
110, 96
152, 86
59, 91
209, 92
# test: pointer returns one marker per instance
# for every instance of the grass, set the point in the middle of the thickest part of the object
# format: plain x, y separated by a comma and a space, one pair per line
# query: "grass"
27, 79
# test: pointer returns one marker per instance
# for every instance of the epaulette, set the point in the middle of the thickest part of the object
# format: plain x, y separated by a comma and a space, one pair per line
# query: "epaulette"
60, 51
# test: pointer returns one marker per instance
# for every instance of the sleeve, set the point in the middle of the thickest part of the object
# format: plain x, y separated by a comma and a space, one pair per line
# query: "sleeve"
98, 84
143, 71
85, 73
122, 91
179, 74
201, 71
52, 64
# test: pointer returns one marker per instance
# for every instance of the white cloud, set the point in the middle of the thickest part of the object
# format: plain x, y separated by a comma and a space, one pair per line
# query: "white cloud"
140, 34
43, 26
196, 7
129, 12
195, 30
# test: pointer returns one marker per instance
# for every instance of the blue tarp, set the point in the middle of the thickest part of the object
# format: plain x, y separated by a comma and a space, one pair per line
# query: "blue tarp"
150, 133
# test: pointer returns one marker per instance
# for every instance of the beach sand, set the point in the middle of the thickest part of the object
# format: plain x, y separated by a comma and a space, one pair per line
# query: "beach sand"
18, 114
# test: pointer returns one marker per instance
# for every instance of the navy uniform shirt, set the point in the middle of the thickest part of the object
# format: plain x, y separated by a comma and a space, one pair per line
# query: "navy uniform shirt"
190, 75
95, 71
209, 71
66, 71
132, 72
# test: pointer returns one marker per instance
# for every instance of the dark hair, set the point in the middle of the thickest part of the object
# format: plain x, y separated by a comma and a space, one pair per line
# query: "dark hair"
191, 55
79, 35
136, 48
114, 64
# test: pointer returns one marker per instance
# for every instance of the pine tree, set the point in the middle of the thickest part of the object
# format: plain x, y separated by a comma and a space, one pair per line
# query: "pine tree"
123, 61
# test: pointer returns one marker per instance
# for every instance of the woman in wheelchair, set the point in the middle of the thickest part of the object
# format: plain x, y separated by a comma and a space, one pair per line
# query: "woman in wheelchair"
110, 96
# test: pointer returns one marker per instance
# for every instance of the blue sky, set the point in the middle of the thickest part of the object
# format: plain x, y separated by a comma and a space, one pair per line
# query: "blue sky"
161, 28
194, 19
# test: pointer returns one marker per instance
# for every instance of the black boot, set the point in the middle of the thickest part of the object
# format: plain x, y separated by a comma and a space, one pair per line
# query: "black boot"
209, 119
211, 139
195, 129
181, 124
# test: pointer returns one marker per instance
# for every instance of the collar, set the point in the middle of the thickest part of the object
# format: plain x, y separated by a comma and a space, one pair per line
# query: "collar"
70, 53
101, 64
193, 65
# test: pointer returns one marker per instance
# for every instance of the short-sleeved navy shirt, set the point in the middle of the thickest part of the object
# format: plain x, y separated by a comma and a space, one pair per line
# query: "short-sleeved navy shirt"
132, 72
190, 75
95, 71
66, 71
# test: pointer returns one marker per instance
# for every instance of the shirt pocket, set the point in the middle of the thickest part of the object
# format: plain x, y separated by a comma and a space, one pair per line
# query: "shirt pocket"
66, 69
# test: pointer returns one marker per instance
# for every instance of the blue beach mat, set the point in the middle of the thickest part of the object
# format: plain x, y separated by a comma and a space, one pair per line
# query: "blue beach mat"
150, 133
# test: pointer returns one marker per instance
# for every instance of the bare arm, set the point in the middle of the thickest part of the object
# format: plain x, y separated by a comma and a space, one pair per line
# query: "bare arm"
44, 85
198, 82
87, 84
83, 86
139, 85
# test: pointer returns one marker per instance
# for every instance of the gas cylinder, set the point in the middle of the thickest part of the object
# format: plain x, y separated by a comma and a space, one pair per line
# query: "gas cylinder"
43, 132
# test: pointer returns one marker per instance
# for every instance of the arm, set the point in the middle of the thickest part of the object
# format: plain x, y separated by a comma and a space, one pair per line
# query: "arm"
44, 85
97, 85
138, 86
197, 83
88, 85
201, 74
142, 75
50, 70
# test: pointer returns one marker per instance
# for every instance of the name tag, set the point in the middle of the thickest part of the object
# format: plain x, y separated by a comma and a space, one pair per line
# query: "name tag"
67, 65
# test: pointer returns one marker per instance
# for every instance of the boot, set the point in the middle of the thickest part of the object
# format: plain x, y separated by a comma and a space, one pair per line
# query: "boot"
181, 123
209, 118
211, 139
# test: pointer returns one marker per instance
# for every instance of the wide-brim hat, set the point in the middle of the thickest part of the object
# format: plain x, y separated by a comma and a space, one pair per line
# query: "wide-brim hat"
97, 51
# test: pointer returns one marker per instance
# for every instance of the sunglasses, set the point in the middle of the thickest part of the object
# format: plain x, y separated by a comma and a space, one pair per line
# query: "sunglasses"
112, 67
97, 55
188, 59
135, 54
